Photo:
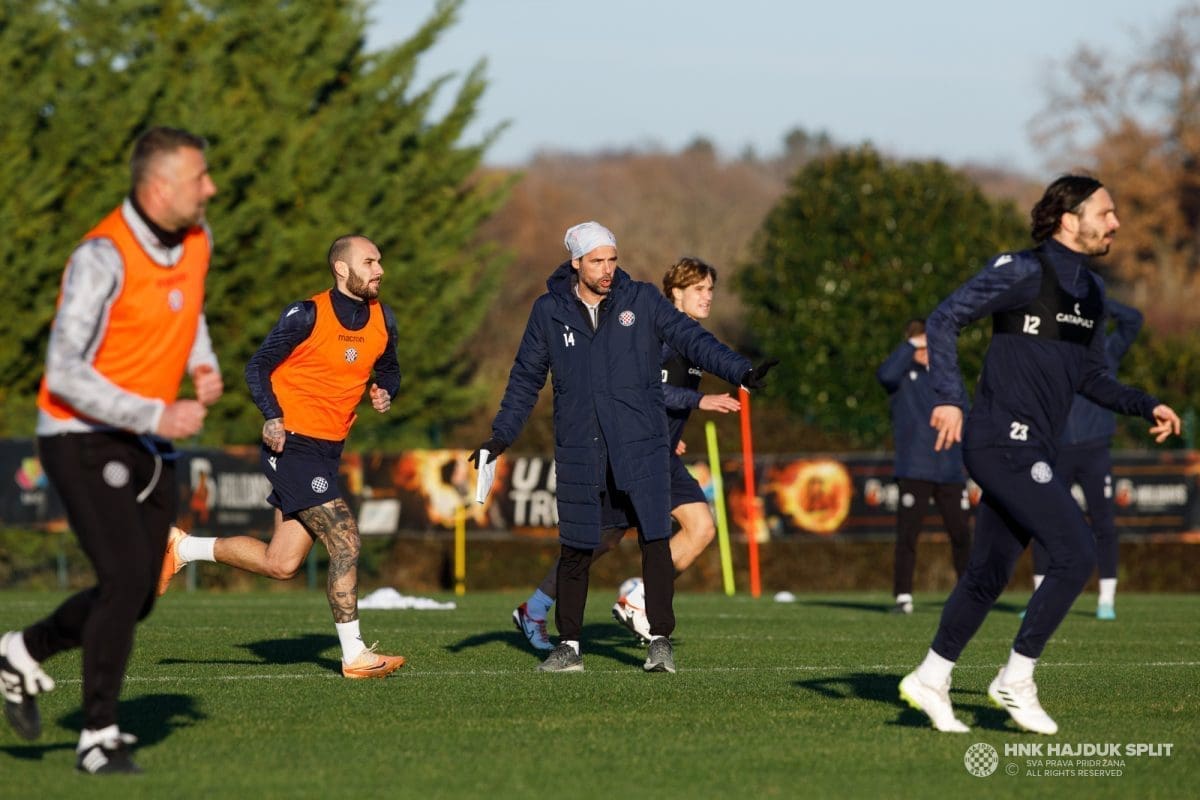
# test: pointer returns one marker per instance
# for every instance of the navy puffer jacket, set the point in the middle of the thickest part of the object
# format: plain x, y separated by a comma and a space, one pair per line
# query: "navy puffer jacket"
608, 396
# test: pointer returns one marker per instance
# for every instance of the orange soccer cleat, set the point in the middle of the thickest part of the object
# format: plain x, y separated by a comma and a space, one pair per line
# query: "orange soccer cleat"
369, 664
171, 563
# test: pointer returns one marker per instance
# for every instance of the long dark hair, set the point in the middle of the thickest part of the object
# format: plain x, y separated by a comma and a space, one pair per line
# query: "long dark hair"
1067, 193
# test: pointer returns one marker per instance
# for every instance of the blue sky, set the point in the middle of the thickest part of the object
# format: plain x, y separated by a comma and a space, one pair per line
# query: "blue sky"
928, 78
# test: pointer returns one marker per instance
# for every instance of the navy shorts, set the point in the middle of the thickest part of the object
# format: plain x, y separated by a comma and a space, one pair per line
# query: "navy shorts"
684, 488
304, 475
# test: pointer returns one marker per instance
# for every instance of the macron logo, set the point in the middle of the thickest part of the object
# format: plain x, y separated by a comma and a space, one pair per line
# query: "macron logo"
1002, 260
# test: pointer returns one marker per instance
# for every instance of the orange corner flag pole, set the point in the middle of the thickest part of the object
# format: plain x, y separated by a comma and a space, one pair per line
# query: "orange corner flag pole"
751, 495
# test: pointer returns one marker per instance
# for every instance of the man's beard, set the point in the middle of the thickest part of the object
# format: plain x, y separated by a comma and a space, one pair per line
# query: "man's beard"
361, 289
596, 288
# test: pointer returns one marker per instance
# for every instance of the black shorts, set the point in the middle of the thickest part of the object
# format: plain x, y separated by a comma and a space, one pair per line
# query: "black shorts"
304, 475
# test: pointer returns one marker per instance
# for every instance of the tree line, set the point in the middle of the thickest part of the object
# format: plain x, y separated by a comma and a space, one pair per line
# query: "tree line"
824, 251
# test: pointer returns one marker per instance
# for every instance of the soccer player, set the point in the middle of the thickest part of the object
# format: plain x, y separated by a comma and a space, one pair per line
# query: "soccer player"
599, 333
689, 284
130, 322
921, 471
1047, 307
1084, 457
307, 377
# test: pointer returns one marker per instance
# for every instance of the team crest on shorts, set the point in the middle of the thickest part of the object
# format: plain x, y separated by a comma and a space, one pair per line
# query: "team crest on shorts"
626, 318
175, 299
1041, 472
319, 485
351, 355
115, 474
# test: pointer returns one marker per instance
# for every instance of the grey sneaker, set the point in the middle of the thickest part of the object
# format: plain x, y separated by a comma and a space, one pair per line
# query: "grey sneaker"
108, 757
660, 657
562, 659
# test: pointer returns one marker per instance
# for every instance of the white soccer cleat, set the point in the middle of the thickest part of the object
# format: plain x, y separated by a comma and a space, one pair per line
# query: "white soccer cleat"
633, 618
1020, 700
534, 629
933, 702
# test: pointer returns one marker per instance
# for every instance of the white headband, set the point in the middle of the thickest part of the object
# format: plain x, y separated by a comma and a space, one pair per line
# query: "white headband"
586, 237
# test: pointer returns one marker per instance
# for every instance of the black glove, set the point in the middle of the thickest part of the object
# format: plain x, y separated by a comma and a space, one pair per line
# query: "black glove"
756, 378
494, 448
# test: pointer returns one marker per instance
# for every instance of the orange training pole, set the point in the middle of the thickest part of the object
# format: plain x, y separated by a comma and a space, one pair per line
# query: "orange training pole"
751, 495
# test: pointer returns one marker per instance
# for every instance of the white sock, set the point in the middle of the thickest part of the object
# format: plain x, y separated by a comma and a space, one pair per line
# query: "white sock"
1108, 591
196, 548
89, 738
351, 639
1019, 668
637, 598
1037, 581
574, 645
656, 638
934, 670
904, 598
538, 605
16, 653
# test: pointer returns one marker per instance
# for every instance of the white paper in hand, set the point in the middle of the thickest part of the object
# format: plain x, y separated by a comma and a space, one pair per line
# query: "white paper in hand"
487, 474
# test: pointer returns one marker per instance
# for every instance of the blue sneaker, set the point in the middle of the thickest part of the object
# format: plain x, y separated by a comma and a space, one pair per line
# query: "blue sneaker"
1106, 611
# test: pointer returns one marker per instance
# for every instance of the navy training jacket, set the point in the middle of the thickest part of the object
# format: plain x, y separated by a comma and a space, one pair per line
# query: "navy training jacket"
608, 396
1088, 423
911, 398
1029, 381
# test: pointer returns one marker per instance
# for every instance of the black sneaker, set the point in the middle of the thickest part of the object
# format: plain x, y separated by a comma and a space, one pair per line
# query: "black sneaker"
109, 757
660, 657
20, 705
562, 659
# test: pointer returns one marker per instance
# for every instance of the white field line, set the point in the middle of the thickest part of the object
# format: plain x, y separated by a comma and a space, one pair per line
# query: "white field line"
416, 673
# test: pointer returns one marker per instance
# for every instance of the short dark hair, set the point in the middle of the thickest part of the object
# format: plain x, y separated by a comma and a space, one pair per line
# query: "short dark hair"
340, 248
157, 141
686, 272
1066, 194
914, 327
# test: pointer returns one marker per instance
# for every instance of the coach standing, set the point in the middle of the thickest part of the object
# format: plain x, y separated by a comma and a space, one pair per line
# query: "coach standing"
921, 472
599, 333
130, 322
1047, 307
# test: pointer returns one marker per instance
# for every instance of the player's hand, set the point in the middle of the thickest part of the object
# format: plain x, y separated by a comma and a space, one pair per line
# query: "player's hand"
494, 448
1166, 422
948, 421
273, 435
381, 401
181, 419
756, 378
721, 403
681, 448
208, 383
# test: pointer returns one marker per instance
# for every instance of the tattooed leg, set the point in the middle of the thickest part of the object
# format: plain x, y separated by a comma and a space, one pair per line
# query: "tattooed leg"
334, 525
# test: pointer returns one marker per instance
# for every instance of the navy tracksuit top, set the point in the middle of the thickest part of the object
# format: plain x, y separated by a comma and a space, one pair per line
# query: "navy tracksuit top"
681, 390
1044, 349
911, 398
1088, 423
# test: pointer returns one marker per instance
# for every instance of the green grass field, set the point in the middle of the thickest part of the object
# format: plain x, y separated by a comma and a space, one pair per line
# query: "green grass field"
238, 695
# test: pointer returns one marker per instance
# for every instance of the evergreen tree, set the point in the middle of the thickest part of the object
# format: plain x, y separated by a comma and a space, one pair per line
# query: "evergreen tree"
858, 246
311, 137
